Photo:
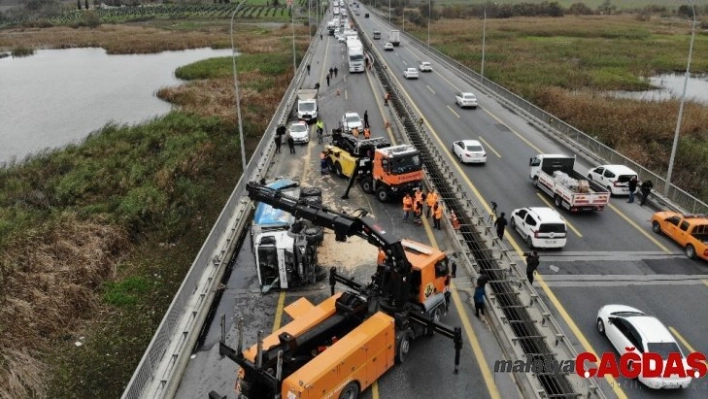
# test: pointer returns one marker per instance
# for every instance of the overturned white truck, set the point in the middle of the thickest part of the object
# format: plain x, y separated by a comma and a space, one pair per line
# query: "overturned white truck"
307, 105
285, 249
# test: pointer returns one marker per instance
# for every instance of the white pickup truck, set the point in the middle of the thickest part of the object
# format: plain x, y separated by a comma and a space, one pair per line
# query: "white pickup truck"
555, 175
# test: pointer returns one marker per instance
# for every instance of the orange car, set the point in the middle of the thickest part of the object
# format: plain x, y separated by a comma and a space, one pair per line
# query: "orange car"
689, 231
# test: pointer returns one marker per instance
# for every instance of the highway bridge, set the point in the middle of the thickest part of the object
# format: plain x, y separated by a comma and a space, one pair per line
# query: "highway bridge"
611, 256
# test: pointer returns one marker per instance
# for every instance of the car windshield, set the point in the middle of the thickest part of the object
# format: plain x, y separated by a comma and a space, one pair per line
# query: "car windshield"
468, 96
298, 128
353, 120
406, 164
475, 148
663, 348
624, 178
307, 107
552, 228
424, 63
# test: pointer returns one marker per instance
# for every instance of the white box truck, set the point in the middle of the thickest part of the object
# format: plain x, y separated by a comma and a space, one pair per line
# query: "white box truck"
307, 105
554, 175
355, 51
394, 37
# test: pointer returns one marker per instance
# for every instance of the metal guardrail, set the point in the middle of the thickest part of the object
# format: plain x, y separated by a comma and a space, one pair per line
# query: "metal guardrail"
165, 359
678, 199
525, 320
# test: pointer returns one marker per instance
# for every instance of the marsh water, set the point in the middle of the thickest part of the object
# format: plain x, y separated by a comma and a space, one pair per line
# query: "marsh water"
670, 86
57, 97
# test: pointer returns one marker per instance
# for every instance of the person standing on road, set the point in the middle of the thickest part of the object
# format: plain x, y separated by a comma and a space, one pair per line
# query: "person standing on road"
479, 299
646, 190
327, 80
632, 188
308, 69
407, 205
331, 72
500, 224
431, 200
532, 262
437, 215
367, 133
278, 142
291, 144
366, 118
335, 71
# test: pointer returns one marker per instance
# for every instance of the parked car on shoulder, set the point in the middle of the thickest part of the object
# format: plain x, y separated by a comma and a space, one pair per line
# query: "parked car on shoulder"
540, 227
410, 73
613, 177
352, 120
689, 231
425, 66
628, 329
469, 151
388, 46
465, 100
300, 132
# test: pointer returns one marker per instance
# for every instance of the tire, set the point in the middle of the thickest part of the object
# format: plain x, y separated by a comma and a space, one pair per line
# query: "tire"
403, 346
351, 391
600, 325
558, 201
535, 181
367, 185
690, 251
437, 314
383, 195
512, 223
529, 241
314, 235
656, 227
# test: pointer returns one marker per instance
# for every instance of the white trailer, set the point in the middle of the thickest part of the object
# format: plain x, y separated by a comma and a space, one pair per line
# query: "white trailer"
355, 51
394, 37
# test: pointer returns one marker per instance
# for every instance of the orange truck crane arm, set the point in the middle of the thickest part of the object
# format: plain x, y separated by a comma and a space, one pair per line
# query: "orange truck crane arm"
404, 300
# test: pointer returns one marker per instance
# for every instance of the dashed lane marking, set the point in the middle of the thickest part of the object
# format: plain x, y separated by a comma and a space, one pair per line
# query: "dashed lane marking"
547, 202
451, 110
683, 340
489, 146
430, 88
639, 229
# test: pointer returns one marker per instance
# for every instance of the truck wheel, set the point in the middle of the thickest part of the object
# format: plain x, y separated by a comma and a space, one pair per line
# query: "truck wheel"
351, 391
656, 227
382, 194
314, 235
535, 181
437, 314
557, 200
690, 251
367, 186
529, 241
403, 346
512, 222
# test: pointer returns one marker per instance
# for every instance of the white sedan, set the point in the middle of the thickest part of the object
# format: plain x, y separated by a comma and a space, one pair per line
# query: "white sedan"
410, 73
469, 151
465, 99
627, 327
425, 66
388, 46
300, 132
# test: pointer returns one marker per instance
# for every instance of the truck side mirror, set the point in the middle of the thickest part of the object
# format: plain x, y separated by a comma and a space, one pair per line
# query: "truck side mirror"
530, 161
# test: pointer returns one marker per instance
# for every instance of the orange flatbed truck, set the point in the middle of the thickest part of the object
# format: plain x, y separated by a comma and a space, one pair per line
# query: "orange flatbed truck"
338, 348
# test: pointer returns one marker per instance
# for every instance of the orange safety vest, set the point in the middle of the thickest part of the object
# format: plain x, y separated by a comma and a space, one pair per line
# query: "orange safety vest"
407, 203
418, 207
381, 258
438, 212
419, 196
367, 133
432, 199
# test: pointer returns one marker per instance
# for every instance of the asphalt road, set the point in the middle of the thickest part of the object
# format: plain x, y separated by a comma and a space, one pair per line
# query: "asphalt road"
611, 256
429, 372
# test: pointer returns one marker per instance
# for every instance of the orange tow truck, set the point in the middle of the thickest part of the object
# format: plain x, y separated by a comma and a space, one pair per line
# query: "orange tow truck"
338, 348
689, 231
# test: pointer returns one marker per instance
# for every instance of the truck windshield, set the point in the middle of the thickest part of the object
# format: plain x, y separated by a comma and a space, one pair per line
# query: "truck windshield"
307, 107
405, 164
356, 57
267, 257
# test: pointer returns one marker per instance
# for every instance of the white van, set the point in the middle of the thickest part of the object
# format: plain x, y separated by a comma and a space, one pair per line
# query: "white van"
613, 177
540, 227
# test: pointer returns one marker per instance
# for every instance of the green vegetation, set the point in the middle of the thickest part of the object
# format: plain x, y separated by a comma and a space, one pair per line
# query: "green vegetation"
22, 52
96, 238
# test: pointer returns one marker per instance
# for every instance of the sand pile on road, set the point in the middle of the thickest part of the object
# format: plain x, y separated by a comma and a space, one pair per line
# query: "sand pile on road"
354, 252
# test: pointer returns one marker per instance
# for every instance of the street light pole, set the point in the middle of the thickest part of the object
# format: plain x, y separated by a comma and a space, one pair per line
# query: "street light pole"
389, 11
238, 100
428, 24
292, 24
484, 40
667, 186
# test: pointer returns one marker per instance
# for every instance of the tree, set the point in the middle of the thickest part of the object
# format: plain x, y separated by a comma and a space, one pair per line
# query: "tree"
86, 4
78, 3
607, 7
580, 9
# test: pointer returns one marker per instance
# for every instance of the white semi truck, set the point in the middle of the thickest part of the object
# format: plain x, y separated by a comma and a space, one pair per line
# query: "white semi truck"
394, 37
355, 51
554, 174
285, 249
307, 105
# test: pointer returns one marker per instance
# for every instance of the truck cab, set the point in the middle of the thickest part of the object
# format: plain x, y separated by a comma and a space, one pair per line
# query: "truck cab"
688, 231
346, 150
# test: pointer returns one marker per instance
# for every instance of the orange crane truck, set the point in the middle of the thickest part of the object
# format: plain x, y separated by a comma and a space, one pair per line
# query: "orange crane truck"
338, 348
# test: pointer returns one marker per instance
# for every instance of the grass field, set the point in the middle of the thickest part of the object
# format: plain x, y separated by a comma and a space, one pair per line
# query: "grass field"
593, 4
96, 238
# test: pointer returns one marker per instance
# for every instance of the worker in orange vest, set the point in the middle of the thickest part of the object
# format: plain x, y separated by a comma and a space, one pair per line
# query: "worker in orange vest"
407, 205
417, 211
455, 222
418, 195
431, 199
381, 258
367, 133
437, 215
